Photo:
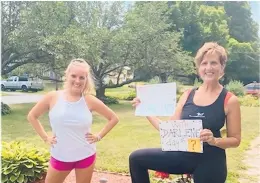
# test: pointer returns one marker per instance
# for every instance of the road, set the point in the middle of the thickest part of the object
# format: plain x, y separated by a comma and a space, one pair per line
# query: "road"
20, 98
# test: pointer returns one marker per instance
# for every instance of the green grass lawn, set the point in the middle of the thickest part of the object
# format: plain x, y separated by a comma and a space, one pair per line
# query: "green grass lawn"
130, 134
4, 94
119, 93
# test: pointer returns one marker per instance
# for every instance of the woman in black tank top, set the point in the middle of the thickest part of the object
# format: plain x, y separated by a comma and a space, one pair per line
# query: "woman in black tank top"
211, 103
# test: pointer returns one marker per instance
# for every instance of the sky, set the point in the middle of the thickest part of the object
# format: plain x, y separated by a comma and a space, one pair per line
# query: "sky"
255, 8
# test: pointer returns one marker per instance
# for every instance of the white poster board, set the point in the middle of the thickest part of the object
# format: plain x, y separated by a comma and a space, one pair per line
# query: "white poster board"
156, 99
181, 135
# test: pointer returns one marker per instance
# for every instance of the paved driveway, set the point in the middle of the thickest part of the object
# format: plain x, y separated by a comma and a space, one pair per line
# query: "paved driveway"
20, 98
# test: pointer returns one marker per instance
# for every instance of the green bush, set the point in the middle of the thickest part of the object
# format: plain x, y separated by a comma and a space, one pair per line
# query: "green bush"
179, 88
197, 83
109, 100
154, 80
5, 109
22, 163
249, 100
130, 96
178, 97
116, 95
236, 87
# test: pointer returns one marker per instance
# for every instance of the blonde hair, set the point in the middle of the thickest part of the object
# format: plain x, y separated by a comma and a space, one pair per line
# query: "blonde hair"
211, 48
90, 86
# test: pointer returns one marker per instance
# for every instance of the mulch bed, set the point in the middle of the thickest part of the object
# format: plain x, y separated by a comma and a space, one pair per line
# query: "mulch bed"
110, 177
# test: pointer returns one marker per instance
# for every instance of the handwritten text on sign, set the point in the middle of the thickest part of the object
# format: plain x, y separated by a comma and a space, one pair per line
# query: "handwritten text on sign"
181, 135
156, 99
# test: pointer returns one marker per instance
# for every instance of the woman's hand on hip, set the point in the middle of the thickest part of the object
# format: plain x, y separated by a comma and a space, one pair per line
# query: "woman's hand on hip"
91, 138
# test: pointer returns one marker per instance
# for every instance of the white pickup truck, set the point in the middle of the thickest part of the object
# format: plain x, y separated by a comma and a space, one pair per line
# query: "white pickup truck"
22, 83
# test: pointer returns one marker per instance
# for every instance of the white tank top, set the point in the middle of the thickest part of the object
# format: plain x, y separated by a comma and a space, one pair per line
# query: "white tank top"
70, 121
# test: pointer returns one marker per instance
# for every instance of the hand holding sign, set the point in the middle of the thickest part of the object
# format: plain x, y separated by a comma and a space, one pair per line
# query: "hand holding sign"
206, 135
135, 102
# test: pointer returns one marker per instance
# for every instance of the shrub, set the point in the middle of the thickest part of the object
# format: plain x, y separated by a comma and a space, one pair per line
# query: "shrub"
178, 96
179, 88
131, 86
130, 96
236, 87
154, 80
197, 83
22, 163
5, 109
249, 100
109, 100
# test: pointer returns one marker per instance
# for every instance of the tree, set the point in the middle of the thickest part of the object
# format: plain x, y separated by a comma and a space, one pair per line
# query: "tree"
244, 45
213, 20
97, 37
243, 63
184, 18
18, 46
225, 23
48, 22
111, 40
241, 25
159, 48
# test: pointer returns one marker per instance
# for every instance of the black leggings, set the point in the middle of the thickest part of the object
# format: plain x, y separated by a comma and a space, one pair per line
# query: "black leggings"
207, 167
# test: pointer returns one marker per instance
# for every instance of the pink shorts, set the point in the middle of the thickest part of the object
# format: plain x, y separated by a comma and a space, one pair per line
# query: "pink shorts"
67, 166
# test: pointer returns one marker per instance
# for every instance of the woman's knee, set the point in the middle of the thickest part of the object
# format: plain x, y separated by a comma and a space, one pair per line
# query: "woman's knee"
213, 173
84, 175
133, 156
136, 155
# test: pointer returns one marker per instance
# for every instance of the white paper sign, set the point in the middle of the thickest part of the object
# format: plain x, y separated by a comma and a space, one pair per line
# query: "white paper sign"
178, 135
156, 99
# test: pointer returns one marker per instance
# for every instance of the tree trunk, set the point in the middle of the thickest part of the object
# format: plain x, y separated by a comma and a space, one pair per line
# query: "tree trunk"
163, 77
56, 85
100, 92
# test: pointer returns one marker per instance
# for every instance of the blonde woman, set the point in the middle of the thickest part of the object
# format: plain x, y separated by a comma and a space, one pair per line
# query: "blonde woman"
212, 104
70, 115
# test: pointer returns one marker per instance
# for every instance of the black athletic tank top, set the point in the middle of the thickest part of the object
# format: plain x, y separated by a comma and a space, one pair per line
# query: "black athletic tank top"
213, 116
